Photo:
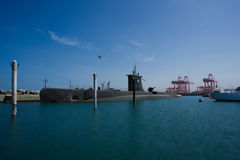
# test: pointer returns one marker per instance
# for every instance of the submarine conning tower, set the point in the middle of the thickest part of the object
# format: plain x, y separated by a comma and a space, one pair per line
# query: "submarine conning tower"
135, 77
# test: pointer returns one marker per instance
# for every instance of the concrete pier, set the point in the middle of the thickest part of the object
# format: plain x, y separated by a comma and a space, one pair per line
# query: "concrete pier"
95, 90
14, 66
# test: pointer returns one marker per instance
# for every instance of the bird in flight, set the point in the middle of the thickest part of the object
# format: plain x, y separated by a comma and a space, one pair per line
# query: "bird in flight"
99, 57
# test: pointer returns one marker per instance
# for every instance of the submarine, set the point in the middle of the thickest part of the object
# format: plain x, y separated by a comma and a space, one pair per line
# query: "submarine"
56, 95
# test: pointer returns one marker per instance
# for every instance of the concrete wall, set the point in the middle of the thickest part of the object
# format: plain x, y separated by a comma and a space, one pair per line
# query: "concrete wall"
28, 98
20, 98
1, 98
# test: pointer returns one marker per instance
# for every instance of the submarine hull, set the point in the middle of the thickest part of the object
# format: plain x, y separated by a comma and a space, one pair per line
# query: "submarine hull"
73, 95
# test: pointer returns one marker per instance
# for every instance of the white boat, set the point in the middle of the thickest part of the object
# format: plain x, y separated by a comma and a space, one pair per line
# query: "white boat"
221, 95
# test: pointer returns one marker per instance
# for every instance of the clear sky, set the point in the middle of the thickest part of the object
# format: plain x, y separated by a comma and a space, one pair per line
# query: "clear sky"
61, 41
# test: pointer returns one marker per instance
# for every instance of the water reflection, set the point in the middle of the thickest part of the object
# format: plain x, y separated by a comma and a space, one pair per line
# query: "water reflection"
12, 134
95, 119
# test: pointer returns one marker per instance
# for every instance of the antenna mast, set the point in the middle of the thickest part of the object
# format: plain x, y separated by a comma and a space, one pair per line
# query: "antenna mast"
45, 81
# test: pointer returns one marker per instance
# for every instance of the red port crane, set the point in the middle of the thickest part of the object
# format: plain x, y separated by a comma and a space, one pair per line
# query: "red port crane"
209, 85
180, 86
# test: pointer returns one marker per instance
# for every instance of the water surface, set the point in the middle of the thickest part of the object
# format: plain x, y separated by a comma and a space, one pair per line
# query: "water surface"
180, 128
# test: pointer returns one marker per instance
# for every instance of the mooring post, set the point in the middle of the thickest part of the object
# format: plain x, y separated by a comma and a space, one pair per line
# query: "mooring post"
14, 87
95, 90
134, 100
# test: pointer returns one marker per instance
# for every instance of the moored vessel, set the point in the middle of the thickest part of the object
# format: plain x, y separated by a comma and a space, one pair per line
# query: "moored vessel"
221, 95
109, 94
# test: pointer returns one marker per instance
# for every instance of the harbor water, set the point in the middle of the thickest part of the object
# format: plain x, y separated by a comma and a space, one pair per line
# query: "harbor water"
176, 128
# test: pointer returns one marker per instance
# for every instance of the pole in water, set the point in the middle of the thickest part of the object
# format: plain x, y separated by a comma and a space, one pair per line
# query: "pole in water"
134, 100
95, 90
14, 66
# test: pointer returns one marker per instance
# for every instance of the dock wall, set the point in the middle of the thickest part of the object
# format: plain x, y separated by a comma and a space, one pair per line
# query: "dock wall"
20, 98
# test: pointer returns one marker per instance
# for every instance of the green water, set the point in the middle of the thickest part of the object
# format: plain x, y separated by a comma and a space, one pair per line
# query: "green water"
180, 128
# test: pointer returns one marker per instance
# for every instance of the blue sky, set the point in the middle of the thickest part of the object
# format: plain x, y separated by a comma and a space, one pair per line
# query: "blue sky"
61, 41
